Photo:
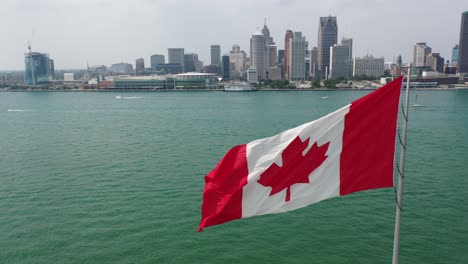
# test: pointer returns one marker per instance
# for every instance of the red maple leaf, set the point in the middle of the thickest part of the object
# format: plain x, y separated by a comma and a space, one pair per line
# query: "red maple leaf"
296, 167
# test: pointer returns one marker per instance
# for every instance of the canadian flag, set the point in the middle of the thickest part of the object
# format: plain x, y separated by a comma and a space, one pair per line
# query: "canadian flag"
347, 151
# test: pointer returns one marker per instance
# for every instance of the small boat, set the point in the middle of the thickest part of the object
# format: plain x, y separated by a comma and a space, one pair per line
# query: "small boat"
239, 87
324, 97
416, 102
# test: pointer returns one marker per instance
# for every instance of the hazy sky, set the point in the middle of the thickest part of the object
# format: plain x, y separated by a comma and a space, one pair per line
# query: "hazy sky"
111, 31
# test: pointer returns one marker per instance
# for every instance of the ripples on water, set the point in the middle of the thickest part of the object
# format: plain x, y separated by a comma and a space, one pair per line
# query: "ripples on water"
88, 178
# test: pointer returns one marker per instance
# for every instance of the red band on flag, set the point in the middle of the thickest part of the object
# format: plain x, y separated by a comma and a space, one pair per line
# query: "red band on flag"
367, 155
222, 196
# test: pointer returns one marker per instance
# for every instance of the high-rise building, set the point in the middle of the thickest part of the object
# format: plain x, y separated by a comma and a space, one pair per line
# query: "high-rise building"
215, 51
454, 61
157, 59
435, 61
314, 62
38, 68
339, 61
349, 43
327, 37
463, 46
420, 52
238, 58
368, 66
281, 62
287, 42
257, 53
176, 55
122, 67
266, 34
272, 56
296, 57
226, 67
190, 62
140, 66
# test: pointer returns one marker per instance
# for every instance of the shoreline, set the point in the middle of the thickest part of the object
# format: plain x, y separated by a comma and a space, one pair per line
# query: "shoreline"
219, 90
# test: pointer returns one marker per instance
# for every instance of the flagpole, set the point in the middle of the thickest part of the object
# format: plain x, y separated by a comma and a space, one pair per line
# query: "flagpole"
401, 173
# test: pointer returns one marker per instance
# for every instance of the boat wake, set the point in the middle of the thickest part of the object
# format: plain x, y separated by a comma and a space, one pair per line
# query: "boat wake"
18, 110
128, 97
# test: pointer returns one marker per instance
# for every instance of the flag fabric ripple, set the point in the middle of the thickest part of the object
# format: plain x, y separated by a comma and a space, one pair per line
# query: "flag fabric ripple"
347, 151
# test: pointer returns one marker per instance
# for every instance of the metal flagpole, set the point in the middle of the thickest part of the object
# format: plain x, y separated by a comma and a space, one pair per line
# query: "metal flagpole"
401, 177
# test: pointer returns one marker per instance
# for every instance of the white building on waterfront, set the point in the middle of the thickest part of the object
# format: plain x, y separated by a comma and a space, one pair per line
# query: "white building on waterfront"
252, 75
238, 58
257, 53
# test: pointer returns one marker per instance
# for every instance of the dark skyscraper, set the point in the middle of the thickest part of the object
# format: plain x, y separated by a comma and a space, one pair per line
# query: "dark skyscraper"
190, 61
281, 62
463, 46
226, 67
140, 66
327, 37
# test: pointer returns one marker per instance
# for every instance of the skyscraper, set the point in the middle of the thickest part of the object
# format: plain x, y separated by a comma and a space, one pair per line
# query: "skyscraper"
226, 67
349, 43
157, 59
38, 68
454, 61
420, 52
266, 34
176, 55
257, 53
289, 35
327, 37
368, 66
190, 62
435, 61
140, 66
281, 62
339, 61
238, 58
297, 57
463, 46
314, 62
215, 51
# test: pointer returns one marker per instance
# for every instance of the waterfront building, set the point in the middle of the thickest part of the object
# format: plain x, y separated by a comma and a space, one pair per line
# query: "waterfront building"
169, 68
339, 61
157, 59
349, 43
190, 62
296, 57
238, 58
368, 66
212, 68
314, 62
327, 37
39, 68
122, 67
226, 67
140, 66
178, 81
215, 51
435, 61
176, 56
463, 45
420, 52
274, 73
257, 53
68, 77
281, 62
252, 75
287, 42
454, 61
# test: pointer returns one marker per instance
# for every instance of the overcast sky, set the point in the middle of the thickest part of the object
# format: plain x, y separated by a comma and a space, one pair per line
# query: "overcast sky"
110, 31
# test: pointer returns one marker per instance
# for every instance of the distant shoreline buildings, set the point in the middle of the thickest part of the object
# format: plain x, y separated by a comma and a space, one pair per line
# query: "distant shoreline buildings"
296, 62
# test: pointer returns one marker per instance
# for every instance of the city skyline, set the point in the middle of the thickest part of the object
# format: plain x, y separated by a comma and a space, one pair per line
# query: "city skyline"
104, 32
